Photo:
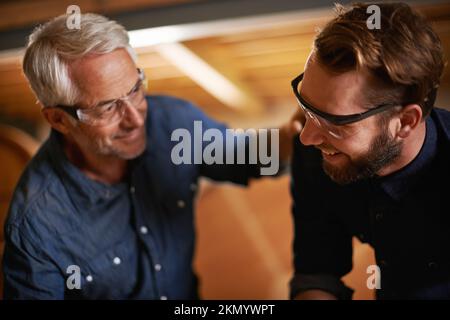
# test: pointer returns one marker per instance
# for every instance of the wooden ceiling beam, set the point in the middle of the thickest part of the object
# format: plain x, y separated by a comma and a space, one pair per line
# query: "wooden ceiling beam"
214, 78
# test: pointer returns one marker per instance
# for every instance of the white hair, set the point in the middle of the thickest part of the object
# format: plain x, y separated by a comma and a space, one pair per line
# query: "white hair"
53, 46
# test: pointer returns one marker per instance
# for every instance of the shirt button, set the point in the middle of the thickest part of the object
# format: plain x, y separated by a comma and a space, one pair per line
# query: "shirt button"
132, 189
89, 278
180, 204
163, 298
144, 230
193, 187
117, 261
432, 265
158, 267
361, 236
379, 217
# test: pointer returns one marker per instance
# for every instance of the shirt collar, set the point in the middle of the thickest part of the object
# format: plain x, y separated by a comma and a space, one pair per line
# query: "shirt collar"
81, 188
397, 184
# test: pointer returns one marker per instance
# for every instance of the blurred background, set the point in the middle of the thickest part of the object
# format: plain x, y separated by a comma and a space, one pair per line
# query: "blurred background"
235, 60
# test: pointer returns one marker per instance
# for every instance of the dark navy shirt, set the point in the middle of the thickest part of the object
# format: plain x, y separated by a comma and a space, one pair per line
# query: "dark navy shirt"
132, 240
404, 216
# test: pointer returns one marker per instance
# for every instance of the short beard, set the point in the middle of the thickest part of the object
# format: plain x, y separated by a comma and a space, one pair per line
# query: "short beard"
383, 151
109, 150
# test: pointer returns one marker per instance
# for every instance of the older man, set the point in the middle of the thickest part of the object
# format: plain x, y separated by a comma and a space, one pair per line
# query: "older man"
373, 158
102, 211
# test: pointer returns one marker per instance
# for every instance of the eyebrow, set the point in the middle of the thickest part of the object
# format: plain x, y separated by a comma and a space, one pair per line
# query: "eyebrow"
102, 103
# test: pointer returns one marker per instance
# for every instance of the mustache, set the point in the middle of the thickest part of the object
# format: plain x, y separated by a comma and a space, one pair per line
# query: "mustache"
125, 133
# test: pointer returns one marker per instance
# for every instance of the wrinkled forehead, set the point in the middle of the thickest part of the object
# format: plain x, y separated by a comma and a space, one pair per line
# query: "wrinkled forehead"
104, 77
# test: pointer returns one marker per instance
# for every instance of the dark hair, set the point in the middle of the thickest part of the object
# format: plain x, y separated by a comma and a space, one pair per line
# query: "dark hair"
404, 57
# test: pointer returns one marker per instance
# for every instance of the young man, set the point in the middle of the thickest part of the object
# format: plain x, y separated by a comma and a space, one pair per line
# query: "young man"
373, 157
103, 211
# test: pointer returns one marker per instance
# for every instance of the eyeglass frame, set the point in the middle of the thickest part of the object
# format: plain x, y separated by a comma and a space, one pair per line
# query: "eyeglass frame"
338, 120
75, 109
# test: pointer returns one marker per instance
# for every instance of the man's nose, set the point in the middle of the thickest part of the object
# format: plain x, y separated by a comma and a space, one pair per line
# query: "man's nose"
311, 134
132, 117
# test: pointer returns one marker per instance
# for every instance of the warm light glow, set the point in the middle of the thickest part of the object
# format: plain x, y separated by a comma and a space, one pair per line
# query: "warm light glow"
202, 73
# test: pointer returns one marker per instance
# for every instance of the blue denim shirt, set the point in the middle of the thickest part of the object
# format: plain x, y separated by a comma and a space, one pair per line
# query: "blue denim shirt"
404, 216
132, 240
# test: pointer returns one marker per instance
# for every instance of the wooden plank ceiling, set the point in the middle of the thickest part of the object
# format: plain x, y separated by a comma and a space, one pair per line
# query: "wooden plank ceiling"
260, 63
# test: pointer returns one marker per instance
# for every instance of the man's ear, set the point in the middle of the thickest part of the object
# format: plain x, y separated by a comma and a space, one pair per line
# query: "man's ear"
57, 119
410, 118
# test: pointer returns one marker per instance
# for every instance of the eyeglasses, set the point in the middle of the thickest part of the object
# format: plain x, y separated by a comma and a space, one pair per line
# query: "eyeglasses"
335, 125
109, 112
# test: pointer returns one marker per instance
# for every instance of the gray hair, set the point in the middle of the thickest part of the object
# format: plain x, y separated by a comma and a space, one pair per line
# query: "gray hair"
53, 46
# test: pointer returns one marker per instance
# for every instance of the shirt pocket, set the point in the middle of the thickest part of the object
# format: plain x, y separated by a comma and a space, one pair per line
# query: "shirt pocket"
112, 274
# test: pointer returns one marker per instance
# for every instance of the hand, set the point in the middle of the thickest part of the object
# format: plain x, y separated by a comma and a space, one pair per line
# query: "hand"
288, 131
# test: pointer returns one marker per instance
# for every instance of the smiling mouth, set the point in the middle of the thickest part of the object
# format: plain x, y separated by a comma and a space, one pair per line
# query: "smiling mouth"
131, 134
330, 153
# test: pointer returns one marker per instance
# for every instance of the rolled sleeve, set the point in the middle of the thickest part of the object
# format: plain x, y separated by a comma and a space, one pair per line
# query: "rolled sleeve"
234, 172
